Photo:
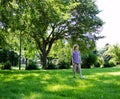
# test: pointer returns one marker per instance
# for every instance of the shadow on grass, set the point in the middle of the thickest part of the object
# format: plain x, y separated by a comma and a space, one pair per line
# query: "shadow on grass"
58, 84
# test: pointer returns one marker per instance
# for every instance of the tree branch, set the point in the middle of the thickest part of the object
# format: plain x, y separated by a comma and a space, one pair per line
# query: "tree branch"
52, 32
50, 45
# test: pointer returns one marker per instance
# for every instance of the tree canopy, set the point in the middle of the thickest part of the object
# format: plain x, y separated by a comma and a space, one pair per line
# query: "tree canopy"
46, 21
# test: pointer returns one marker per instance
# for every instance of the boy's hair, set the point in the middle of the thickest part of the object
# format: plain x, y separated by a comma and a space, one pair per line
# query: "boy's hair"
74, 46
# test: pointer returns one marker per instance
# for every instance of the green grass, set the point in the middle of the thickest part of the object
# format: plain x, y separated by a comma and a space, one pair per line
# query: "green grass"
99, 83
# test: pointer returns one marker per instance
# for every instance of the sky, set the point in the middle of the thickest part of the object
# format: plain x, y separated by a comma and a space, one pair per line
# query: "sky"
111, 16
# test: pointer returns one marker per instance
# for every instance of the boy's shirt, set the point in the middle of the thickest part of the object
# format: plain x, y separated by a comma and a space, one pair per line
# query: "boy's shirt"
76, 57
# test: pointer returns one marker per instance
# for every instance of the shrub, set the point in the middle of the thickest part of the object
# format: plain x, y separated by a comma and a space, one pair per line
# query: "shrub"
99, 62
112, 61
51, 66
7, 65
32, 66
64, 65
88, 60
6, 55
108, 64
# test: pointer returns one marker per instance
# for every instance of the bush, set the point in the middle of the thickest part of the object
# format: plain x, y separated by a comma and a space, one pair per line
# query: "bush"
108, 64
64, 65
51, 66
7, 65
112, 61
6, 55
99, 62
32, 66
89, 60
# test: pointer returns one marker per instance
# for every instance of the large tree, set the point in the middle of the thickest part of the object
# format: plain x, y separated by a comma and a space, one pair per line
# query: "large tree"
47, 21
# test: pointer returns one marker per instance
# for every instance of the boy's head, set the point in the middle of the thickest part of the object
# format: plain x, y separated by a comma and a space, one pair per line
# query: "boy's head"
75, 47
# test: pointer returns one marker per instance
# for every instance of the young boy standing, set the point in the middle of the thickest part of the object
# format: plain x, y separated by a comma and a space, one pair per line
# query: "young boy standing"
76, 61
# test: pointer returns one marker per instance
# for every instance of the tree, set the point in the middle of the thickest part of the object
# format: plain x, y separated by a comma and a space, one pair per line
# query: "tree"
53, 26
47, 21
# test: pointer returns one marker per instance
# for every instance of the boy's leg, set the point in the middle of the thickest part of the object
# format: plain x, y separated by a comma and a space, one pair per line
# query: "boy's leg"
80, 70
74, 70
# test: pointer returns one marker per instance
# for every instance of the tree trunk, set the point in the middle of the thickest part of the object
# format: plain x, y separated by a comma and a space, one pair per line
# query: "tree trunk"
44, 59
44, 46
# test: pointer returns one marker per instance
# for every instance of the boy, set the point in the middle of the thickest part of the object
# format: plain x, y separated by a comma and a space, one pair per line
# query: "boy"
76, 61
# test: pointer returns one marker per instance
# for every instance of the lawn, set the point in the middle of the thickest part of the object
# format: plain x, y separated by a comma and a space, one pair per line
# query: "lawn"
99, 83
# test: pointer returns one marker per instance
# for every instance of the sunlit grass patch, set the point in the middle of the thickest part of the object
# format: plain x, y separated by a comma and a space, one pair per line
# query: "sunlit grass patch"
99, 83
